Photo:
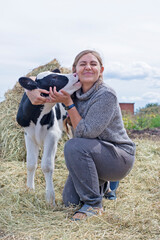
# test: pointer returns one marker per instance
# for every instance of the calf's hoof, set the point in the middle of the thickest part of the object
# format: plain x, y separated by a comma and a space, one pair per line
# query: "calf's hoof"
50, 198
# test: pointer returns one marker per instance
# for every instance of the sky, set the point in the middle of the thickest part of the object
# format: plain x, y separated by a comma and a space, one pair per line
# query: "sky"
125, 32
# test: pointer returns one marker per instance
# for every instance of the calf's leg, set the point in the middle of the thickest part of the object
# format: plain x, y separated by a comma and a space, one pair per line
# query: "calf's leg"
32, 157
47, 166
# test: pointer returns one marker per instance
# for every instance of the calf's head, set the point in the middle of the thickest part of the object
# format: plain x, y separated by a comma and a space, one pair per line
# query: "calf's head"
44, 80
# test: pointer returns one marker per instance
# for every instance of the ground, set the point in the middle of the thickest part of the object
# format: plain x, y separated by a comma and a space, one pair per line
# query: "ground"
135, 215
153, 134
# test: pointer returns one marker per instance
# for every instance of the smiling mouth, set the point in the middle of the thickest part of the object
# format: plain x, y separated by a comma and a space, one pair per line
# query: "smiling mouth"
88, 73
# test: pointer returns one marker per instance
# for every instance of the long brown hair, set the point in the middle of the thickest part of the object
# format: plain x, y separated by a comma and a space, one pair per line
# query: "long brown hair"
95, 53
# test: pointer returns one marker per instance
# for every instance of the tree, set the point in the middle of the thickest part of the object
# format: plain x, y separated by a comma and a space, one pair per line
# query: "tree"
148, 105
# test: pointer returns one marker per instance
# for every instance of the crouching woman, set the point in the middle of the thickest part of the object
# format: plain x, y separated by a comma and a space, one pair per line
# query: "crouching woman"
100, 150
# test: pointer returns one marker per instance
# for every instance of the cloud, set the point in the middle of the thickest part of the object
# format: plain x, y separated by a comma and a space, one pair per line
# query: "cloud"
150, 97
134, 71
155, 83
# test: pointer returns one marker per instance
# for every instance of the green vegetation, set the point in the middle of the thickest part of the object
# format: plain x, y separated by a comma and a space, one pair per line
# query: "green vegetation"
147, 117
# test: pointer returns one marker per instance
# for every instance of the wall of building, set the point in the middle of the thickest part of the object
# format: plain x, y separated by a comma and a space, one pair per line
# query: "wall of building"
127, 107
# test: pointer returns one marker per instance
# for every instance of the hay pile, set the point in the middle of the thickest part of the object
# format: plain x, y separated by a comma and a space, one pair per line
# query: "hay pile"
12, 146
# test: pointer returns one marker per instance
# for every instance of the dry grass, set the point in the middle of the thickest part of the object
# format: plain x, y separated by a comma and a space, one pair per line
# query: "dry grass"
135, 215
25, 215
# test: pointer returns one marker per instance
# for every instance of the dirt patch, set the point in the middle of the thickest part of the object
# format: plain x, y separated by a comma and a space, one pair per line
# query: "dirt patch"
153, 134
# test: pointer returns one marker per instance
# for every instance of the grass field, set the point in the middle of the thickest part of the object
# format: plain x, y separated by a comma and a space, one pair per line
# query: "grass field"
135, 215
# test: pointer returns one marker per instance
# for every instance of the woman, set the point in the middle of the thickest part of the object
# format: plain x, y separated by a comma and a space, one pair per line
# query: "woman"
100, 150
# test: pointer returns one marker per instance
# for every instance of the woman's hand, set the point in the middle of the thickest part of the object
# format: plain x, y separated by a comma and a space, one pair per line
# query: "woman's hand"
59, 97
35, 96
65, 98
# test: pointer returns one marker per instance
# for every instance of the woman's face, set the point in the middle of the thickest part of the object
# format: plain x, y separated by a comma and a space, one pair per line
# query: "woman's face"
88, 69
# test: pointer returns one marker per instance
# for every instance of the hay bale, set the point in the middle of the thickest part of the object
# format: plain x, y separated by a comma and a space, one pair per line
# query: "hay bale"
12, 145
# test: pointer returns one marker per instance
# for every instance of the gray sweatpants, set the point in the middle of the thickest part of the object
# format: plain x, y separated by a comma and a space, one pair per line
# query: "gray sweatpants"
92, 162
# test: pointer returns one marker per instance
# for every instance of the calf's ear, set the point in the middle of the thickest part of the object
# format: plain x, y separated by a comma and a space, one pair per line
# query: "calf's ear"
27, 83
56, 70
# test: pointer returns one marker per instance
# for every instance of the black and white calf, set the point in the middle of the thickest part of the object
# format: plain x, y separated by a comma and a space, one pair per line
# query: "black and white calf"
43, 125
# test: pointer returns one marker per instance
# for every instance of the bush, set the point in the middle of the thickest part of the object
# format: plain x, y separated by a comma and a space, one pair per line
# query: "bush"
155, 122
129, 121
148, 117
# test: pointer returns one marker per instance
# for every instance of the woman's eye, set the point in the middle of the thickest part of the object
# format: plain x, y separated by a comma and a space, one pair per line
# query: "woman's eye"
91, 64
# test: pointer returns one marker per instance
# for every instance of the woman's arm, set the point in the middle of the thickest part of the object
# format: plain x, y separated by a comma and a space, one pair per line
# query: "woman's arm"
74, 116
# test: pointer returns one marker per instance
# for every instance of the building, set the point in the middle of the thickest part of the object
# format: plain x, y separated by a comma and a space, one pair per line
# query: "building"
127, 107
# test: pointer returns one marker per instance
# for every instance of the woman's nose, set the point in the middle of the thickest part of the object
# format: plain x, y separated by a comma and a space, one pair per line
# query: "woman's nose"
88, 66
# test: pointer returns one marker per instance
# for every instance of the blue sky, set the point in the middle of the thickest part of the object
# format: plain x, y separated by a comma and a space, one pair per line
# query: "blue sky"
125, 32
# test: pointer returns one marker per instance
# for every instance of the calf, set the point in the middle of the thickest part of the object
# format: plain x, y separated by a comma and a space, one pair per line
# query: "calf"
43, 125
